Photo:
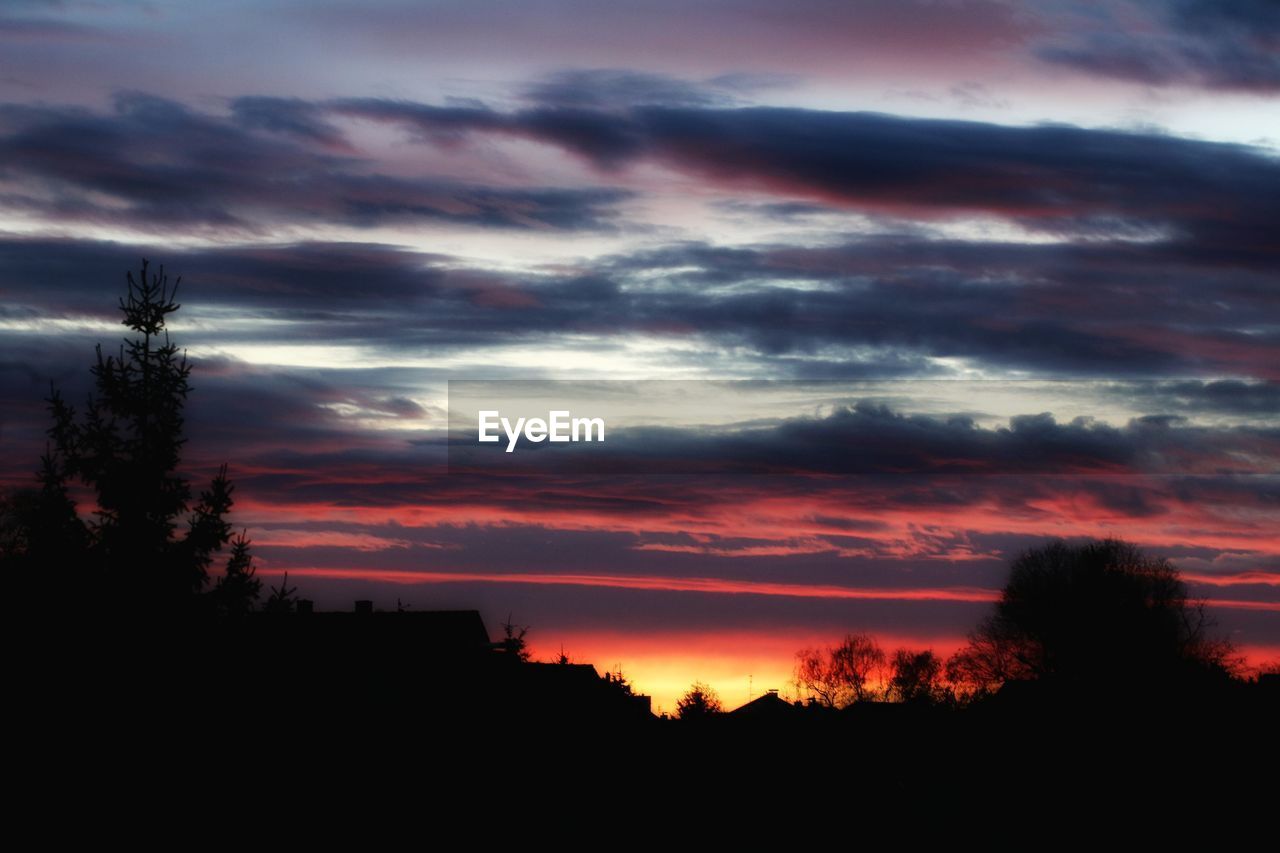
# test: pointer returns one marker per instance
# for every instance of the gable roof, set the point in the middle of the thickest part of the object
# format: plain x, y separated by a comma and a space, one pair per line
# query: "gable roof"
770, 704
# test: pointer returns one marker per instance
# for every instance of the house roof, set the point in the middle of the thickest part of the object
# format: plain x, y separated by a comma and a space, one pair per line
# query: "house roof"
769, 704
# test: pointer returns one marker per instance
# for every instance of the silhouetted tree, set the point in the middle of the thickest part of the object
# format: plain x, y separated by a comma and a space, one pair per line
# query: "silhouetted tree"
987, 661
1098, 615
700, 702
615, 679
282, 598
13, 530
127, 447
841, 674
238, 587
914, 676
513, 639
39, 529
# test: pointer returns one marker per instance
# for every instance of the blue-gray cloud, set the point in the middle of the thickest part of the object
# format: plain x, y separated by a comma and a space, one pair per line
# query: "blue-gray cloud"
155, 163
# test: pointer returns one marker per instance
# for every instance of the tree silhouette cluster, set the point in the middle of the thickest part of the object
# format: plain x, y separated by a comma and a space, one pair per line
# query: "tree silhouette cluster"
857, 669
1102, 615
148, 547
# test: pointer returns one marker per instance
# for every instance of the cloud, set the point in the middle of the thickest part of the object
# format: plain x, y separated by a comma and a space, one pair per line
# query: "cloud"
886, 304
868, 438
1046, 176
155, 163
289, 116
275, 160
610, 88
359, 504
1256, 398
1217, 45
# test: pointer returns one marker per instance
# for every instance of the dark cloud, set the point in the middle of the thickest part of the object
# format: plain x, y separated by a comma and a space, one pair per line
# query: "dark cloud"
156, 163
1257, 18
294, 457
290, 116
784, 211
582, 88
1070, 310
301, 435
1220, 45
1059, 310
1046, 176
282, 160
605, 137
871, 439
1253, 398
1118, 55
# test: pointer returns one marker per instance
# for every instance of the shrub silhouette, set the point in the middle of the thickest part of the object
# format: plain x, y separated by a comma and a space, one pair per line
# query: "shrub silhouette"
148, 548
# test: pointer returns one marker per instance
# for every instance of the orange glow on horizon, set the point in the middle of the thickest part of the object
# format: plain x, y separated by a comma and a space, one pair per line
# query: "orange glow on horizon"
739, 665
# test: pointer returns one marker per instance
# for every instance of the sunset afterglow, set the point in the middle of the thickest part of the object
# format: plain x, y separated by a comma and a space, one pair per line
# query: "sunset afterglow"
1011, 269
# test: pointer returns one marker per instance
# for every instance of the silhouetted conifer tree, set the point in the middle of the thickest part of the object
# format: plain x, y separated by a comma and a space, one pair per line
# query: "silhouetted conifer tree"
281, 599
238, 587
513, 641
147, 548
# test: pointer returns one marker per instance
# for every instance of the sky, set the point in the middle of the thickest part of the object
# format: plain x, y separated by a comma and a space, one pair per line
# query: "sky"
961, 234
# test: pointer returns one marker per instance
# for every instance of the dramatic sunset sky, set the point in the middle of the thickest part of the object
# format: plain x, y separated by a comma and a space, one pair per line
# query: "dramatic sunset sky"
368, 199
